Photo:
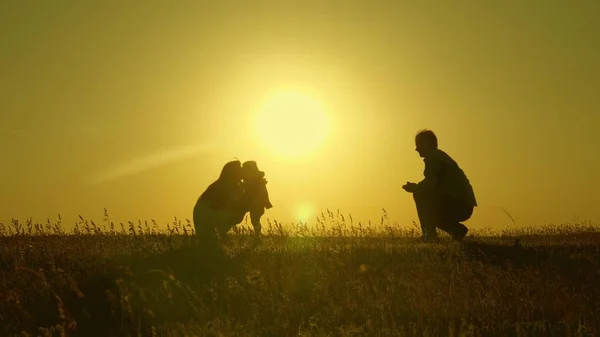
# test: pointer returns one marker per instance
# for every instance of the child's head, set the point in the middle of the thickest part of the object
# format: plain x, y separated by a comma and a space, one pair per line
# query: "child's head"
250, 170
425, 141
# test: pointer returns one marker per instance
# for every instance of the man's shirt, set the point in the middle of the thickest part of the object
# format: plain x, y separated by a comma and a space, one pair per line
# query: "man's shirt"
443, 172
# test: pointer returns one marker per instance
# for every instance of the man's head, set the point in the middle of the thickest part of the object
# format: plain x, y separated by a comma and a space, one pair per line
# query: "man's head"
425, 142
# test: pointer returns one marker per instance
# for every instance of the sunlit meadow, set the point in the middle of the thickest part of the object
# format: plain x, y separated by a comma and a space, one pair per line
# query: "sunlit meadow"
336, 277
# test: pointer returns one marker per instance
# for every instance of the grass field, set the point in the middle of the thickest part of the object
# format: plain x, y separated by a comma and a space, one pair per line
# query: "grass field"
334, 279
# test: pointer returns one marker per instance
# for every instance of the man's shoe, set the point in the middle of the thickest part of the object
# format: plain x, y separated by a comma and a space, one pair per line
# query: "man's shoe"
460, 233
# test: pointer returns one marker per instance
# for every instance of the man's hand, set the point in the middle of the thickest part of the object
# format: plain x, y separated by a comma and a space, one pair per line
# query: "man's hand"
410, 187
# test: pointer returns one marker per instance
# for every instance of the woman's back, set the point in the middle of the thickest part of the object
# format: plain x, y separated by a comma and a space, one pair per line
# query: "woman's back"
221, 195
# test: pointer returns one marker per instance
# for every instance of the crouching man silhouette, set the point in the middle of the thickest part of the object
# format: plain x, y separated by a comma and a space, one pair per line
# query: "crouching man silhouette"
445, 197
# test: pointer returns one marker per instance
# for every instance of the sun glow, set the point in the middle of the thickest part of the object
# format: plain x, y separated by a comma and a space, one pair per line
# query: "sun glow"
304, 212
292, 124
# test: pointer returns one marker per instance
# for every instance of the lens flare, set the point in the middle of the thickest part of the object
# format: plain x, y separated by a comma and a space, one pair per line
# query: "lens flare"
304, 212
141, 164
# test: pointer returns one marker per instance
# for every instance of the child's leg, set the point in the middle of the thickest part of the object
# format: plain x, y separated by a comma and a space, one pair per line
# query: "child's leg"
255, 215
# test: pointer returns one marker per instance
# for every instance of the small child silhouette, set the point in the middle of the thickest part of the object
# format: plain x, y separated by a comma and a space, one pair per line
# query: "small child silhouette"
256, 196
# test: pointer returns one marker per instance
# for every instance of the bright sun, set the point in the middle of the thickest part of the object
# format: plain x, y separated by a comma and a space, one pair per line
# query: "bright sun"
292, 124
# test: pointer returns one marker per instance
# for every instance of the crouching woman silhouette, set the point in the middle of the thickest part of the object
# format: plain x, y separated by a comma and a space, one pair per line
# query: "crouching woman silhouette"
215, 210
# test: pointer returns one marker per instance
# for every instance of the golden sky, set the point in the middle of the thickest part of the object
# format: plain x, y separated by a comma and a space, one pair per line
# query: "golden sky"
135, 106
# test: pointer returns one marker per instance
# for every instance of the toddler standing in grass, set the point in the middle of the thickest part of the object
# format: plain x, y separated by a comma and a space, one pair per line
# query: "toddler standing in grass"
256, 196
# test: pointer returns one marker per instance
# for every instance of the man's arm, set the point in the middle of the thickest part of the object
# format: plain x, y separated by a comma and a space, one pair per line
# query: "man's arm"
409, 187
